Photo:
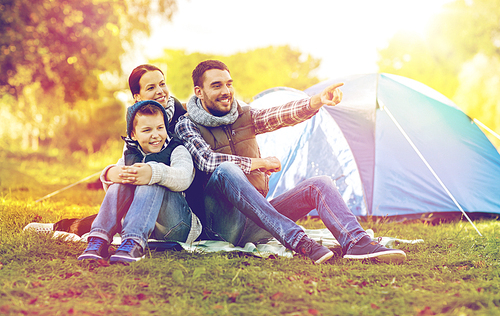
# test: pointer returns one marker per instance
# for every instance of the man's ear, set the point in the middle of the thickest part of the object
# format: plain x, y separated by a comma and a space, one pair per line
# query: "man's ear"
197, 92
132, 135
137, 97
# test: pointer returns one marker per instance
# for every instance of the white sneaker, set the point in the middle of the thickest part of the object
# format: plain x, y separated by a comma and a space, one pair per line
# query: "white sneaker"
40, 227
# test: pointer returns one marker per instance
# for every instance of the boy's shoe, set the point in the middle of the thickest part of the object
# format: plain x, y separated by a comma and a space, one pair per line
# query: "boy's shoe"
368, 249
310, 248
39, 227
129, 251
97, 249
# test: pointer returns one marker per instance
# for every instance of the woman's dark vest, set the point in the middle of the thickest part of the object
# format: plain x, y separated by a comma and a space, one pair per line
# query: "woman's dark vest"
238, 139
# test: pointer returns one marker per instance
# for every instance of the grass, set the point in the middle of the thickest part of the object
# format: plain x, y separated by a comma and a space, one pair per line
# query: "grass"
454, 272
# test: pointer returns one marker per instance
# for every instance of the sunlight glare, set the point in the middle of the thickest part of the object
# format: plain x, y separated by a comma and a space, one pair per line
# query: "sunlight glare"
413, 16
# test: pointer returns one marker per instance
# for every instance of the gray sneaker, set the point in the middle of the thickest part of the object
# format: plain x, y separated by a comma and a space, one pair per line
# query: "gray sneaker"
129, 251
97, 249
310, 248
368, 249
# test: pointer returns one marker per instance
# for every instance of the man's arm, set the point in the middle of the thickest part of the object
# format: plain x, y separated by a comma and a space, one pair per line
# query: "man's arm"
203, 156
294, 112
276, 117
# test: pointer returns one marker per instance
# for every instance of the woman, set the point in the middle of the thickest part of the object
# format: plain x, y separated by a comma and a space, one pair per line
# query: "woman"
146, 82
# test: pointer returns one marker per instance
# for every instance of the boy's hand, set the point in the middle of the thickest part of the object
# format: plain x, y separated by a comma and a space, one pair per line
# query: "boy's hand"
137, 174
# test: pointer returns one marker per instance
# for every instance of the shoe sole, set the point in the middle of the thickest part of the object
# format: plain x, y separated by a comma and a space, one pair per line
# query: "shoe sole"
39, 227
90, 257
324, 258
389, 256
116, 259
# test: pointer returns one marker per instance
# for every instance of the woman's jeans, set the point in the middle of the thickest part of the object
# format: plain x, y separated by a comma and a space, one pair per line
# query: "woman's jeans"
146, 210
238, 213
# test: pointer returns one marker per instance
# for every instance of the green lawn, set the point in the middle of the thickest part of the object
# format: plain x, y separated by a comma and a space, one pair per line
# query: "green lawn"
454, 272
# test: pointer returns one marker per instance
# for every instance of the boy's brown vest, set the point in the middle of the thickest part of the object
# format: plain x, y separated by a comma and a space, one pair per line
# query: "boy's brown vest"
238, 139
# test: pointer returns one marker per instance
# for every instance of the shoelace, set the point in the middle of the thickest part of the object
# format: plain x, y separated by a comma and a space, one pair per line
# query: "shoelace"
95, 244
306, 247
126, 246
377, 243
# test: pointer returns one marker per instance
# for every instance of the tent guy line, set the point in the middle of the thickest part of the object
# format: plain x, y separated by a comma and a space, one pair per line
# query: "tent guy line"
69, 186
486, 128
400, 128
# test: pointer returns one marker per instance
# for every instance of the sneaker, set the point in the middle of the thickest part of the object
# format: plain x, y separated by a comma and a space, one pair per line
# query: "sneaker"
97, 249
39, 227
310, 248
129, 251
368, 249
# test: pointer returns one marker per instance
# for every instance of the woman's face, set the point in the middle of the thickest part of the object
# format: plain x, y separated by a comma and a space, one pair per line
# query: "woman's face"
153, 87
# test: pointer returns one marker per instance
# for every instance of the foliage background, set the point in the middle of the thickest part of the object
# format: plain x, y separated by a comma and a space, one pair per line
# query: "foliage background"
458, 55
63, 91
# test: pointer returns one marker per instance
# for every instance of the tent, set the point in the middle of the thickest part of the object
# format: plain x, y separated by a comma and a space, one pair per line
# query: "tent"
394, 147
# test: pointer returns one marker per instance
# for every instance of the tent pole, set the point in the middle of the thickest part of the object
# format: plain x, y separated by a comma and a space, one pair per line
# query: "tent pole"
486, 128
67, 187
383, 107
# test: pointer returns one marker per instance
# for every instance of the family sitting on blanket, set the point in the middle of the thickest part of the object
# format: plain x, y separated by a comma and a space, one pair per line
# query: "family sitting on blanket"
231, 179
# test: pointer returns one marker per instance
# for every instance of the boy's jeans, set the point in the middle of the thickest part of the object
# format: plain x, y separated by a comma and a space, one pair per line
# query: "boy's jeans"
238, 213
145, 209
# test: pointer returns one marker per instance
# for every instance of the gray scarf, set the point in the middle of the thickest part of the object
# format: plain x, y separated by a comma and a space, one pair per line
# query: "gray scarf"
199, 115
170, 108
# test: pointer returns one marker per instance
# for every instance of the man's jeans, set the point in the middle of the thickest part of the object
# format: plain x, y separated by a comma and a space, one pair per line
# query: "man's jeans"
145, 209
238, 213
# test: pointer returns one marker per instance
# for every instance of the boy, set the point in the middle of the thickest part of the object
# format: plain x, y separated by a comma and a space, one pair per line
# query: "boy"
160, 163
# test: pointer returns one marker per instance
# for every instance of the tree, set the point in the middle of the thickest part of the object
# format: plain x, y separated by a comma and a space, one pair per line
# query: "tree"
413, 56
459, 57
270, 67
253, 71
67, 44
478, 92
53, 55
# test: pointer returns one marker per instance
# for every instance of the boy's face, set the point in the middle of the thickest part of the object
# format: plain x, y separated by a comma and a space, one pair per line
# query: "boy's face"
150, 132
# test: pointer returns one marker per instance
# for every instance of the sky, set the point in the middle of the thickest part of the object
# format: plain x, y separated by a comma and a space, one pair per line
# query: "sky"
345, 35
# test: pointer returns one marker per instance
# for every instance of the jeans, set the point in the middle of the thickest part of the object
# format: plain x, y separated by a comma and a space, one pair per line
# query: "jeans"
146, 210
238, 213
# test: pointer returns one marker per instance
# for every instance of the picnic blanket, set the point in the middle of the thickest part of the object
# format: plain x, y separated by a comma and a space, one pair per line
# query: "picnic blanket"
263, 250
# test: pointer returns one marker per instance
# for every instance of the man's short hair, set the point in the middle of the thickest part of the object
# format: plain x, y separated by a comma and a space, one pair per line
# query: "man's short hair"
199, 71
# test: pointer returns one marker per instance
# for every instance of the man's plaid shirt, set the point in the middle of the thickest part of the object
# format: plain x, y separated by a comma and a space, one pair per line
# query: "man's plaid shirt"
264, 121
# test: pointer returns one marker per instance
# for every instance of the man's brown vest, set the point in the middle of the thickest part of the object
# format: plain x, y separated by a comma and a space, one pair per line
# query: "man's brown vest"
238, 139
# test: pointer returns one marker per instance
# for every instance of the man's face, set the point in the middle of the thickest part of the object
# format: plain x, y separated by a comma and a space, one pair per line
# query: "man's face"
150, 132
217, 92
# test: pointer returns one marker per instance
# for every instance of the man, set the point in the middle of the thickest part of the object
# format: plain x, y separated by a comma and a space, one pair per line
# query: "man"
220, 135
